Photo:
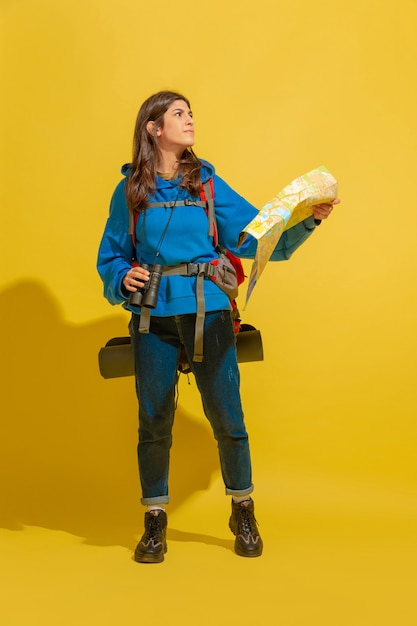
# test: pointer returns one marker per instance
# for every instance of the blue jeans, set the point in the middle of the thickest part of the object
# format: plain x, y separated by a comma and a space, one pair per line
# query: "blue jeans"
156, 358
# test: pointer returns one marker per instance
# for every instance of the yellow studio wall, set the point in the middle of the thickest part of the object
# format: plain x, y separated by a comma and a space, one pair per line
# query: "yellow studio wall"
276, 89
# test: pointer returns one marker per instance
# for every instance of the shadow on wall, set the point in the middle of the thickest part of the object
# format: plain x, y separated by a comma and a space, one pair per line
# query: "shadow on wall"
68, 444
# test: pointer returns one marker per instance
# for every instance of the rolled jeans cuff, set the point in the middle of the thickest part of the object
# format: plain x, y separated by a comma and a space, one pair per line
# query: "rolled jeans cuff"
155, 500
239, 492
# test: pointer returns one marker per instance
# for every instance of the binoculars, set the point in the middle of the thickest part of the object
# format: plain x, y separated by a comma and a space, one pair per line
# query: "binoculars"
147, 295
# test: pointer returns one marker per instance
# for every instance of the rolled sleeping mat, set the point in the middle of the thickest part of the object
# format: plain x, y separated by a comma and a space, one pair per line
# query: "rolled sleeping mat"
249, 344
115, 359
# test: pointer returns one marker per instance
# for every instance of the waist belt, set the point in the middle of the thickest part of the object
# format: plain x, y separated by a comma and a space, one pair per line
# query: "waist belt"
201, 270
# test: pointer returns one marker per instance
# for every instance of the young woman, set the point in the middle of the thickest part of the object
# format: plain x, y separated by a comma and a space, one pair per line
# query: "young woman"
160, 196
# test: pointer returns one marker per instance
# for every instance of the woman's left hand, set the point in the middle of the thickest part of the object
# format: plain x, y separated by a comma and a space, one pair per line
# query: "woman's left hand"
322, 211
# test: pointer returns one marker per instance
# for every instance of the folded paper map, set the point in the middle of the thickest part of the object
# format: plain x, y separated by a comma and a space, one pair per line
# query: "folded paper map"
289, 207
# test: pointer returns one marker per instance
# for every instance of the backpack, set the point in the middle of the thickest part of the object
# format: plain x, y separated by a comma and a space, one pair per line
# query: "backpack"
226, 271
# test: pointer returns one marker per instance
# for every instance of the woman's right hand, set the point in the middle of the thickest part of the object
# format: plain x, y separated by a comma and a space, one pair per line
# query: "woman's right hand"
135, 278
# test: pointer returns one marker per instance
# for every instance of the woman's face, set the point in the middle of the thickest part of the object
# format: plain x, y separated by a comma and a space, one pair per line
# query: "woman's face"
177, 132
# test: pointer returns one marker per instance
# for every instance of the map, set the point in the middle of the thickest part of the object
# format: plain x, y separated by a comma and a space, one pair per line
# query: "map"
290, 206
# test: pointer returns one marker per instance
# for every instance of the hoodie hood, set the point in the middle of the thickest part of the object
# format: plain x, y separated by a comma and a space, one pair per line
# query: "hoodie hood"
207, 171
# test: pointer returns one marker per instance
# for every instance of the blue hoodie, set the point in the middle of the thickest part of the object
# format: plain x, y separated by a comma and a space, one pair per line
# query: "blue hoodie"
186, 240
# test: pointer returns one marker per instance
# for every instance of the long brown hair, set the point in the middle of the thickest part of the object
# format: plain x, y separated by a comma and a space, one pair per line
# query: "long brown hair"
146, 153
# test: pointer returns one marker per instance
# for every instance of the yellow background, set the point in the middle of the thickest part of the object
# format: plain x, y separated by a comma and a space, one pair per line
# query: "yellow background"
277, 89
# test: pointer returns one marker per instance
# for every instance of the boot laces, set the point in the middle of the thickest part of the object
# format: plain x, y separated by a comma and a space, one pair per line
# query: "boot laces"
247, 522
154, 527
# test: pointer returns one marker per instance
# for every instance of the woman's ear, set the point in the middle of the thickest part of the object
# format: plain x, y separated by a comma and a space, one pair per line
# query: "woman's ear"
152, 129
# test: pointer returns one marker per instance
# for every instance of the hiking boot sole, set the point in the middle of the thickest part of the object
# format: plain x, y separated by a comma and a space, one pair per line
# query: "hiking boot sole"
150, 558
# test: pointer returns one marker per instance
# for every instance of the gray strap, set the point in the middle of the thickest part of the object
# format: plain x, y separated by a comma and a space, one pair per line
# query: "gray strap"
160, 205
186, 202
176, 270
190, 269
131, 222
210, 208
145, 320
169, 205
199, 322
200, 270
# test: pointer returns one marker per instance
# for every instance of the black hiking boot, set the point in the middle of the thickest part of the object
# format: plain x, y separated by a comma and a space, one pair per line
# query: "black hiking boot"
242, 523
152, 547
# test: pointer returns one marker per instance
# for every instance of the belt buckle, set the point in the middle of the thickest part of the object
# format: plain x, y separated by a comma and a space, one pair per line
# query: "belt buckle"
193, 269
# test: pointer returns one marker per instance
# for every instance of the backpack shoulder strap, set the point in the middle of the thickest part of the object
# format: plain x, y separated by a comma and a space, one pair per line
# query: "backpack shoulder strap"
133, 216
207, 195
207, 201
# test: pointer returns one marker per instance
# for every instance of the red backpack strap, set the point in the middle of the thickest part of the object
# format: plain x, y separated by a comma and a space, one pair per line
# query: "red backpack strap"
237, 264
